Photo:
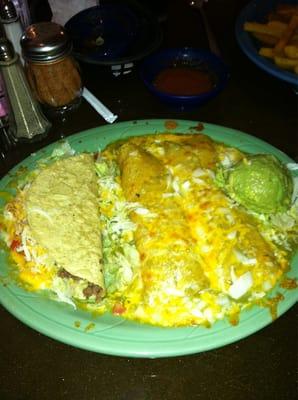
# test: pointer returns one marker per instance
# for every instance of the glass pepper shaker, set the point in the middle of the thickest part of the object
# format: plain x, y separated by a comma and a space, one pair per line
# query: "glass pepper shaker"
31, 124
51, 70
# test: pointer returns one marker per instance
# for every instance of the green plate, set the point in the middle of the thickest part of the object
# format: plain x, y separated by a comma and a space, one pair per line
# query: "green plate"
113, 335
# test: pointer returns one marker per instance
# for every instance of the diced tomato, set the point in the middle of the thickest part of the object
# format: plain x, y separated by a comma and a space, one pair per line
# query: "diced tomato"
15, 244
118, 309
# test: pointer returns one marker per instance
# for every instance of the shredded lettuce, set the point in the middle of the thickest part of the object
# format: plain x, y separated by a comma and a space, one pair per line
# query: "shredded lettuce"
68, 290
63, 149
121, 257
292, 166
288, 220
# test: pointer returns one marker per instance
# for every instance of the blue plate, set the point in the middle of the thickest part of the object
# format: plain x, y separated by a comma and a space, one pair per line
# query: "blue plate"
256, 11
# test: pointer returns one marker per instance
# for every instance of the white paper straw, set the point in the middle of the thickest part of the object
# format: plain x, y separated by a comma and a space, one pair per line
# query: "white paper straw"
99, 107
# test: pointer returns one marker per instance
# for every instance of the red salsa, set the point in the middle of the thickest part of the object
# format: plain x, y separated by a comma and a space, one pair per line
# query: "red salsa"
183, 81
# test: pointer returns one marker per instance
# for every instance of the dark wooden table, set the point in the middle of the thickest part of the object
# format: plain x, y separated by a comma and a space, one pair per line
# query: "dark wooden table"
262, 366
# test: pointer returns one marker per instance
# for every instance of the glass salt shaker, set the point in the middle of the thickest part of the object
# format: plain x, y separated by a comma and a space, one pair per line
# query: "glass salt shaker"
11, 25
31, 124
51, 70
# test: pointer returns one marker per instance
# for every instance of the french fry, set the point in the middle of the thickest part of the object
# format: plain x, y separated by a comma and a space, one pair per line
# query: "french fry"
266, 52
273, 16
291, 52
286, 36
294, 40
265, 39
262, 28
278, 26
287, 10
285, 63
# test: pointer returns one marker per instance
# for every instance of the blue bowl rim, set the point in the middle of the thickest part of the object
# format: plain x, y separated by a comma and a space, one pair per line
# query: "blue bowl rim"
224, 77
245, 42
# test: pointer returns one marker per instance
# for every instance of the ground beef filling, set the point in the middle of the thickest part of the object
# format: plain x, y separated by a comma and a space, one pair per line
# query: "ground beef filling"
62, 273
93, 290
89, 291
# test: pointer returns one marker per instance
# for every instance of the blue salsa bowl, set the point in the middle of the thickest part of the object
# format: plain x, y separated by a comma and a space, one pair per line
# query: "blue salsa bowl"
184, 57
256, 11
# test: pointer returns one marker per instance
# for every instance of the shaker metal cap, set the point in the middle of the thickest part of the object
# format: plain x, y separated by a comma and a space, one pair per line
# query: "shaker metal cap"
8, 12
45, 41
7, 53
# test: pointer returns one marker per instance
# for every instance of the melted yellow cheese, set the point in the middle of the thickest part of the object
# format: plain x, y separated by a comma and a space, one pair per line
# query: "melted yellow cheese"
202, 257
170, 268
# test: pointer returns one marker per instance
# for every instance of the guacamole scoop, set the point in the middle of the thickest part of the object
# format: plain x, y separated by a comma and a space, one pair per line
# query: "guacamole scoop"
260, 183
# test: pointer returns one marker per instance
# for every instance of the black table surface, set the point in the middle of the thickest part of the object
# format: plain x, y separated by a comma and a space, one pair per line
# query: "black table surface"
261, 366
